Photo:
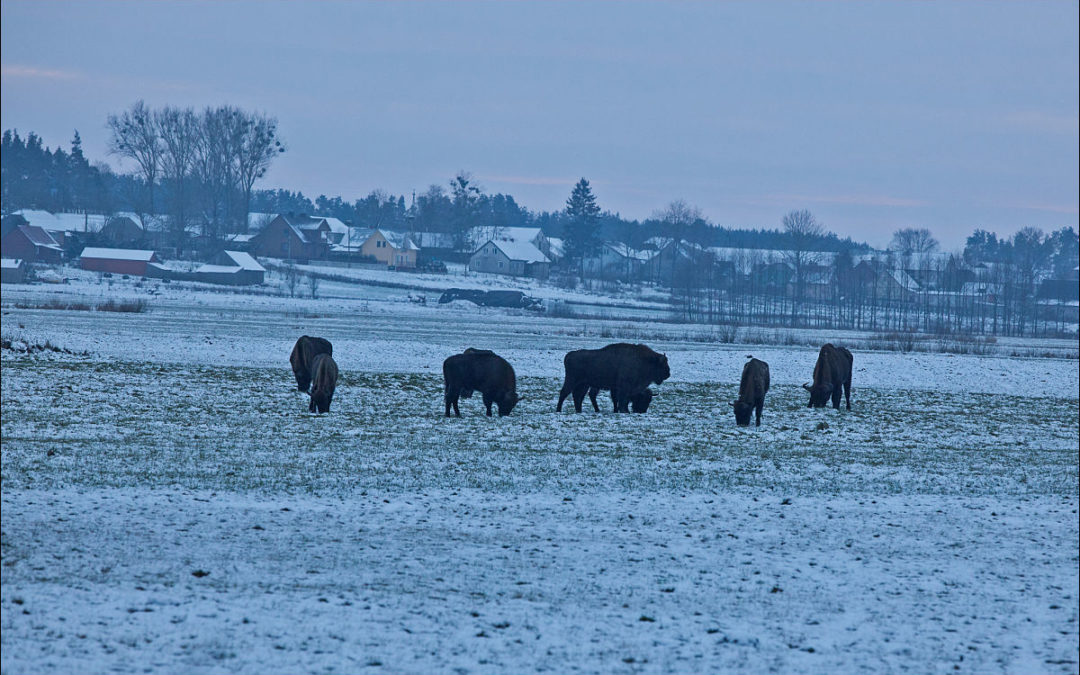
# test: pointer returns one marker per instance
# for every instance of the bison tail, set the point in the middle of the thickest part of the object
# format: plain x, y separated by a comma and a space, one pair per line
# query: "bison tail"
806, 386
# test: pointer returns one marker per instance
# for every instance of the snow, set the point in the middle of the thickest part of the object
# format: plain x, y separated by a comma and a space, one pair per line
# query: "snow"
116, 254
517, 250
931, 527
245, 261
11, 263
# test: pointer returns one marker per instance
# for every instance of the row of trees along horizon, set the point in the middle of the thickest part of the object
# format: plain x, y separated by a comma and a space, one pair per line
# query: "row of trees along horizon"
200, 169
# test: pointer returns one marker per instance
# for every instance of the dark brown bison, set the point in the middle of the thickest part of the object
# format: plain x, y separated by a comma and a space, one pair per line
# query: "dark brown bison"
303, 357
831, 373
324, 375
479, 370
639, 403
625, 369
752, 389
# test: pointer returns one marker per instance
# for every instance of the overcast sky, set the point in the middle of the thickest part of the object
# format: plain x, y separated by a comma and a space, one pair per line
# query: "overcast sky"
873, 116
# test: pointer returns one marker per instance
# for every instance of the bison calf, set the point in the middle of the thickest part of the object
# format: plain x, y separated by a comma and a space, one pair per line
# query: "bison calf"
752, 389
832, 372
323, 382
303, 358
479, 370
639, 403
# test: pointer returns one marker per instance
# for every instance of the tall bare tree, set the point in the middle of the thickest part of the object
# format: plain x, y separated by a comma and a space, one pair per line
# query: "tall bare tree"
133, 135
256, 144
179, 130
802, 229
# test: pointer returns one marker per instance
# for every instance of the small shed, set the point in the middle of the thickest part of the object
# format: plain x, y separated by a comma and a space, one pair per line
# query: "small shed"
233, 268
117, 260
13, 271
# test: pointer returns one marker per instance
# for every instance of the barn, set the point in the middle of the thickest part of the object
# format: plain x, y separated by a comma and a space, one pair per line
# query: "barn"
117, 260
234, 268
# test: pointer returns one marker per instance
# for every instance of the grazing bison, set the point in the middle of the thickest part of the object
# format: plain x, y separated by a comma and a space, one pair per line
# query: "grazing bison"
752, 389
626, 369
479, 370
303, 357
324, 374
831, 373
639, 403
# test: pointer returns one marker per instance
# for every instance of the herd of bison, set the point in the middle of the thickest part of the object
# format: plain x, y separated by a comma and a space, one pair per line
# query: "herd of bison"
623, 369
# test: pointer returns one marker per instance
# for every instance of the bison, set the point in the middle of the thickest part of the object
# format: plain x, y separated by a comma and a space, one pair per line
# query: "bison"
323, 382
831, 373
303, 357
626, 369
639, 403
479, 370
752, 389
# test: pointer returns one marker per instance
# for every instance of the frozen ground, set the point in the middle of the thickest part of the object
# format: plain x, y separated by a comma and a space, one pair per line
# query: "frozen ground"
169, 506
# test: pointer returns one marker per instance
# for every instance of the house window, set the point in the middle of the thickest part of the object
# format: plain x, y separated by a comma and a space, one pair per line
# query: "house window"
500, 264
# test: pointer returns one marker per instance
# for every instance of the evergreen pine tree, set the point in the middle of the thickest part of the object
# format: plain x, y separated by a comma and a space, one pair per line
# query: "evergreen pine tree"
583, 227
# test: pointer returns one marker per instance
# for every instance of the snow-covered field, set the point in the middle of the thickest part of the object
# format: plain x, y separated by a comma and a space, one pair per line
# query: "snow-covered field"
170, 506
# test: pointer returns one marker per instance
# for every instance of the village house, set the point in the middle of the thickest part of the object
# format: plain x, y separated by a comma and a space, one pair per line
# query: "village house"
123, 232
118, 260
512, 257
31, 244
304, 239
615, 261
395, 249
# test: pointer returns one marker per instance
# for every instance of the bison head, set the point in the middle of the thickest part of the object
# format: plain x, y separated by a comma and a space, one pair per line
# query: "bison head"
639, 403
819, 394
661, 371
506, 403
743, 412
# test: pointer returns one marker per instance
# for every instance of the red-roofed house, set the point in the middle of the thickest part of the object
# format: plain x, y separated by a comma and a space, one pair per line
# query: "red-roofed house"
32, 244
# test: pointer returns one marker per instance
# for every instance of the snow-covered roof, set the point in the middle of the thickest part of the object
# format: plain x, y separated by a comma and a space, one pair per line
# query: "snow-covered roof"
399, 240
11, 263
245, 261
904, 280
258, 220
433, 239
63, 222
218, 269
117, 254
627, 251
519, 250
556, 246
239, 238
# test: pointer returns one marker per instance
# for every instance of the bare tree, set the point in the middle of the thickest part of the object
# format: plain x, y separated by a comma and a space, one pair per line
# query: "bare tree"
180, 132
913, 244
133, 135
801, 228
256, 146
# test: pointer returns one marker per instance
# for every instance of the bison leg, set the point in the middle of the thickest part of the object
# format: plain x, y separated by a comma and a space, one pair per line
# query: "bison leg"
563, 393
593, 391
837, 393
614, 404
760, 405
488, 400
847, 393
311, 404
579, 397
451, 400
